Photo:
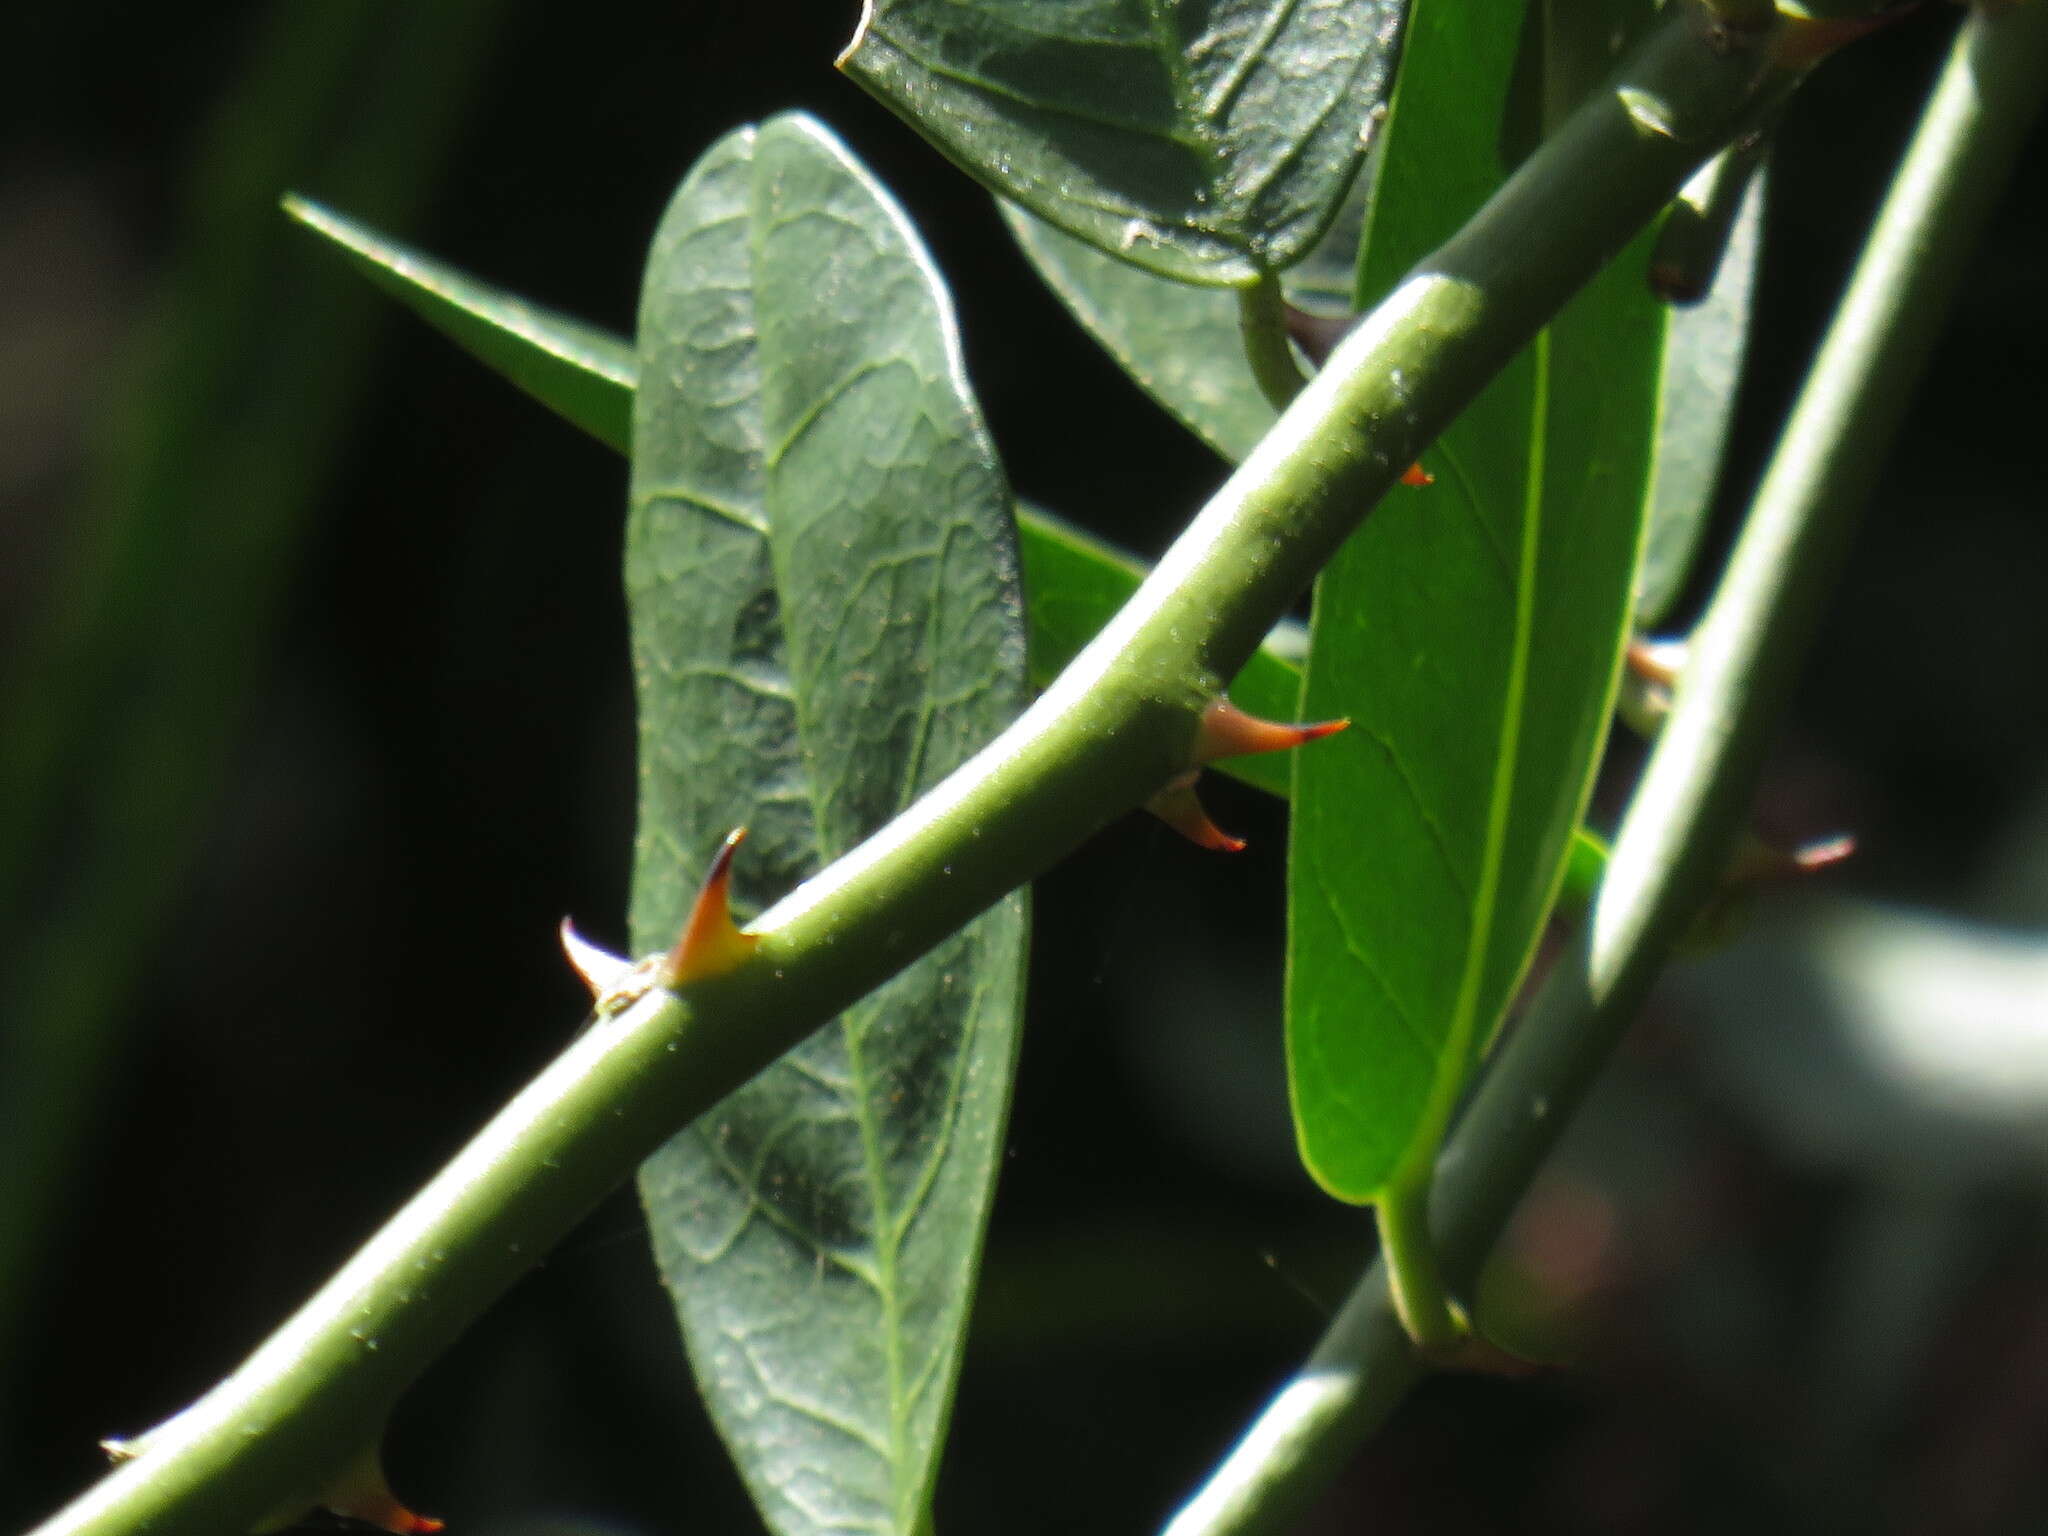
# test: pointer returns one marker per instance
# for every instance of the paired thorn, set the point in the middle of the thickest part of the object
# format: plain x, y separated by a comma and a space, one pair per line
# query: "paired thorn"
1181, 809
1657, 661
361, 1493
1226, 731
1649, 678
601, 970
1758, 861
711, 943
1823, 852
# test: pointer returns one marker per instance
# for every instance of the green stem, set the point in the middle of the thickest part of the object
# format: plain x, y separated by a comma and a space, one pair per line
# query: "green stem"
1696, 791
1262, 321
1114, 726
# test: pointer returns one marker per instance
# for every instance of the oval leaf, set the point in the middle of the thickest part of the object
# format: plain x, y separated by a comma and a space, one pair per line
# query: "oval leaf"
1209, 143
825, 620
1472, 631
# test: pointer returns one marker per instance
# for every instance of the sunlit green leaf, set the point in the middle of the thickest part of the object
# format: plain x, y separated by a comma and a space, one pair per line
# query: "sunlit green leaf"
1472, 632
826, 620
1208, 142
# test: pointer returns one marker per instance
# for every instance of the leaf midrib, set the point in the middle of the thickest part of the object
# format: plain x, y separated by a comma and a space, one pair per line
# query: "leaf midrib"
887, 1239
1458, 1039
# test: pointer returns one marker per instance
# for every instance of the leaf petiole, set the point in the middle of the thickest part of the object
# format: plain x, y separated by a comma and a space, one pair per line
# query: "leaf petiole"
1262, 322
1414, 1278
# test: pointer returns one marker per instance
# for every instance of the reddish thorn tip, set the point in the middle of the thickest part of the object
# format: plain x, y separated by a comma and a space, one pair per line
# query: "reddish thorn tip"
1675, 284
1416, 475
1181, 809
711, 943
1823, 852
1657, 661
1227, 731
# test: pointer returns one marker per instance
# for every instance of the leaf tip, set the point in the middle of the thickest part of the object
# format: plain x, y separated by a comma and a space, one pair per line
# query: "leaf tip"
711, 943
860, 36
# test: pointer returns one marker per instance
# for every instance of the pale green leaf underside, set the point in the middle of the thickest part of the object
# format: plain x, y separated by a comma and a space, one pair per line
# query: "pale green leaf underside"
1180, 343
1471, 632
824, 601
1703, 350
1207, 142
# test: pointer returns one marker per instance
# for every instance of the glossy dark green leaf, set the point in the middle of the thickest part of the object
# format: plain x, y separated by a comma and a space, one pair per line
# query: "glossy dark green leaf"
1472, 632
1180, 343
1703, 349
826, 620
1206, 142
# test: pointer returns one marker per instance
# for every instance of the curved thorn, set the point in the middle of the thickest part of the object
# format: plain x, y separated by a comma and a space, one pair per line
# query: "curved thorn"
1181, 809
1227, 731
600, 969
1823, 851
1657, 661
361, 1493
1757, 861
1415, 474
711, 942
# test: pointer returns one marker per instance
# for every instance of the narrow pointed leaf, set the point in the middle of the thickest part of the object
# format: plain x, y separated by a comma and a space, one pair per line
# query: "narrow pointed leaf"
826, 620
587, 376
1473, 634
1180, 343
1703, 349
576, 370
1209, 143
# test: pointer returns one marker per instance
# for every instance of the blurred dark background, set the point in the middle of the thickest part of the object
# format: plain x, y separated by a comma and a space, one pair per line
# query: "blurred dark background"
318, 720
